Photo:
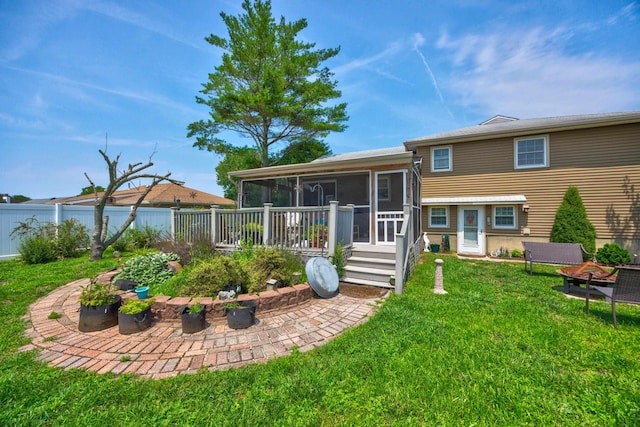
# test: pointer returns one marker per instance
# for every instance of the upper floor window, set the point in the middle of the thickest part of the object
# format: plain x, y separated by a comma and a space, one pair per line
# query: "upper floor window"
438, 216
441, 159
531, 152
504, 217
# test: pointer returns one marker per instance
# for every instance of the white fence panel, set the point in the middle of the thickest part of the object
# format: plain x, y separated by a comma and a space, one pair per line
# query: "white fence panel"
11, 215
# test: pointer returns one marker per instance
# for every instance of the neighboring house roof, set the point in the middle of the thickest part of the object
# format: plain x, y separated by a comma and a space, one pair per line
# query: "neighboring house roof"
160, 195
501, 126
367, 158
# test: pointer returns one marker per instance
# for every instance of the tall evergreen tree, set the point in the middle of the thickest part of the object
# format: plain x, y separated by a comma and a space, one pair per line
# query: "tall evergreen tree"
571, 224
270, 86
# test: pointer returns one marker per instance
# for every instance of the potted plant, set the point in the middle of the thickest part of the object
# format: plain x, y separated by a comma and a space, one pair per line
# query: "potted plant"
253, 230
240, 314
317, 235
193, 318
134, 315
98, 307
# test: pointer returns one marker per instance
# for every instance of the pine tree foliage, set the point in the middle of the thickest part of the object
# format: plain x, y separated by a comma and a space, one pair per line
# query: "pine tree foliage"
270, 86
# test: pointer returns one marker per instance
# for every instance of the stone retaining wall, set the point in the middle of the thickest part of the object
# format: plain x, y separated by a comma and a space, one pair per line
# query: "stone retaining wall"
167, 308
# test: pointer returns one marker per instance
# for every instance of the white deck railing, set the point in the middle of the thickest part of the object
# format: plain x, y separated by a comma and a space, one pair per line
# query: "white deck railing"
307, 229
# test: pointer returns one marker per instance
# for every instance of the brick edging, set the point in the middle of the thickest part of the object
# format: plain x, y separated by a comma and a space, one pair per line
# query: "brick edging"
167, 308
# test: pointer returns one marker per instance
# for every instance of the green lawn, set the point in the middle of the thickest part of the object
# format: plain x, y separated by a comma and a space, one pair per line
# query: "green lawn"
501, 349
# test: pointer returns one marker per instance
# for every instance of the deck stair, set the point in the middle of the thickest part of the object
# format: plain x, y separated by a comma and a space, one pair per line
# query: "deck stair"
371, 265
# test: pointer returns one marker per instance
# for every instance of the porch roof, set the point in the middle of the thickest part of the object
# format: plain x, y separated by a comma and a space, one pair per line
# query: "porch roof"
337, 162
475, 200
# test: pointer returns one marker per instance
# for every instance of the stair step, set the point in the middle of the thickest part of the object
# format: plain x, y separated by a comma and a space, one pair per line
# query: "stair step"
368, 260
370, 270
368, 282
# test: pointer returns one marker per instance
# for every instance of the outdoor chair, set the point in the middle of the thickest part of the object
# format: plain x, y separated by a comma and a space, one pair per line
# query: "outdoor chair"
625, 289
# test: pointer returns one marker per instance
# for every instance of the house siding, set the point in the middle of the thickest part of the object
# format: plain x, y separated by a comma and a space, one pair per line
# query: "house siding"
604, 163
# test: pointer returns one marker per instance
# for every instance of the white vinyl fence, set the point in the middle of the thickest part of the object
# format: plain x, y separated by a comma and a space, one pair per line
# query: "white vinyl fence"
11, 215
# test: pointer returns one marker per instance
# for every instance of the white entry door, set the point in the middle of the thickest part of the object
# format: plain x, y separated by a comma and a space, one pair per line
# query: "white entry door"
471, 238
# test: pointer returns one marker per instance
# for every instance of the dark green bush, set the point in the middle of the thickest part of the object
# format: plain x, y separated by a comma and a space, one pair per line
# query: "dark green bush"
612, 254
271, 263
571, 224
207, 278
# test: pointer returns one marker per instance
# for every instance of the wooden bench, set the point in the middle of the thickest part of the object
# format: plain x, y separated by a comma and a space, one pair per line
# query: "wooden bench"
553, 253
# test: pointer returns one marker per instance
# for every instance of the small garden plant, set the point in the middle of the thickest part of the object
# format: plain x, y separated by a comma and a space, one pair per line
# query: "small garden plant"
612, 254
95, 294
149, 269
134, 306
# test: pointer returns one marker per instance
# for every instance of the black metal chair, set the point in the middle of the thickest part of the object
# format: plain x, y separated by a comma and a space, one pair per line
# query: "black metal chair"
625, 289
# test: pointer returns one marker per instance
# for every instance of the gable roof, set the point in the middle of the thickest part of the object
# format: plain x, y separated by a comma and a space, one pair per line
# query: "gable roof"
160, 195
508, 127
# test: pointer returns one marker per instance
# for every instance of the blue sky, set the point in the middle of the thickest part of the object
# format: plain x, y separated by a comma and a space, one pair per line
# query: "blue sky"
73, 71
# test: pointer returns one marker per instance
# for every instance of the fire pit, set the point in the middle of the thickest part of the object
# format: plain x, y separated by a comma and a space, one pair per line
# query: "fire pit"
576, 275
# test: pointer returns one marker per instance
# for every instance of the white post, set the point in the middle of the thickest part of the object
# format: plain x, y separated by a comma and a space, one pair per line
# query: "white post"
333, 226
266, 223
59, 214
173, 211
438, 287
214, 225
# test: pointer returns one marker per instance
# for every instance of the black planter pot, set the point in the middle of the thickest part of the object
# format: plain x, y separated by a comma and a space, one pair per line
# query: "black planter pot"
125, 285
193, 322
241, 317
132, 323
99, 317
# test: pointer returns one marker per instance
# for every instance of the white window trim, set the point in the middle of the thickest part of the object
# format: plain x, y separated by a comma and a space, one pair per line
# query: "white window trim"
545, 138
441, 147
506, 227
446, 212
387, 180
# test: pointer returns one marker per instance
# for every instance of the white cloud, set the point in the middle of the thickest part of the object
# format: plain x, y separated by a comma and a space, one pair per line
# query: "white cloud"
534, 73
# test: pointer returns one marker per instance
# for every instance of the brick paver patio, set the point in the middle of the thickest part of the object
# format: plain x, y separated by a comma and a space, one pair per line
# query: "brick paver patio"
163, 350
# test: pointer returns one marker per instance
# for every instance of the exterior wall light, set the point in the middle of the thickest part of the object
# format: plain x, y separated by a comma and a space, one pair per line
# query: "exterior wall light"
525, 209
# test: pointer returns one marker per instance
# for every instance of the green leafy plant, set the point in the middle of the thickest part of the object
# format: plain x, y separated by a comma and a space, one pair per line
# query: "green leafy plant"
271, 263
516, 253
125, 358
207, 278
72, 239
149, 269
135, 306
571, 224
195, 308
95, 293
338, 259
36, 250
54, 315
612, 254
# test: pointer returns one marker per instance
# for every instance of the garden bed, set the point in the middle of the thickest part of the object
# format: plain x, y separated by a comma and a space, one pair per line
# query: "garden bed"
168, 308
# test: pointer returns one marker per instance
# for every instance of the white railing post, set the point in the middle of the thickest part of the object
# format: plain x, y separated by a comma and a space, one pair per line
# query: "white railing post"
399, 285
266, 223
214, 225
173, 222
58, 218
333, 226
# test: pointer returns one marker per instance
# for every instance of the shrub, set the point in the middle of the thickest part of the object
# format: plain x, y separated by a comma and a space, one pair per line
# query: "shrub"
271, 263
571, 224
44, 242
71, 236
144, 238
133, 306
207, 278
612, 254
516, 253
36, 250
148, 269
338, 259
